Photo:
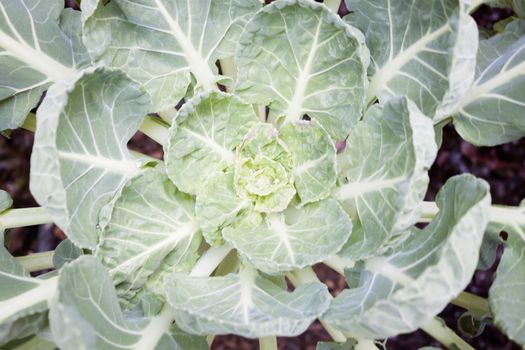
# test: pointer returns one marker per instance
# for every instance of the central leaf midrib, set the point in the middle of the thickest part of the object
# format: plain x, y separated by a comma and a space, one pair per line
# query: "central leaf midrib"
390, 68
222, 151
198, 66
478, 91
125, 167
36, 59
359, 188
294, 111
186, 230
43, 292
280, 228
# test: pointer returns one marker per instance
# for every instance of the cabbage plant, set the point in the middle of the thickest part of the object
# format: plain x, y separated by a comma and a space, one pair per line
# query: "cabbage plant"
299, 137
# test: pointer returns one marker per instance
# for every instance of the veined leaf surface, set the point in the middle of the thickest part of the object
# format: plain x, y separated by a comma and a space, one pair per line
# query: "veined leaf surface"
152, 229
425, 50
39, 45
65, 253
491, 112
162, 43
203, 138
506, 295
246, 304
23, 299
403, 290
313, 155
300, 58
80, 158
86, 315
295, 239
383, 174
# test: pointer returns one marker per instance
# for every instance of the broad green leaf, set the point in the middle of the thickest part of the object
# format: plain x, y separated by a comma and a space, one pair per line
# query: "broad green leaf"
162, 43
65, 253
506, 297
404, 289
39, 45
245, 304
488, 251
295, 239
491, 112
23, 327
80, 159
313, 154
86, 315
23, 299
36, 342
350, 344
152, 229
300, 58
217, 206
5, 201
203, 138
425, 50
384, 175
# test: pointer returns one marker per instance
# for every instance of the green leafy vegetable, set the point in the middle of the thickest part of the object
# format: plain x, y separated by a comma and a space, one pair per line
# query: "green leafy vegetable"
416, 279
317, 65
163, 44
39, 45
250, 305
80, 160
299, 138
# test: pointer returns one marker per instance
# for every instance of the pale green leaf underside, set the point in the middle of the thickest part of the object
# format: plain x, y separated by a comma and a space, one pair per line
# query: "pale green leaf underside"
313, 155
23, 299
492, 111
159, 42
217, 206
65, 253
39, 45
80, 158
246, 304
86, 315
203, 138
5, 201
506, 295
299, 58
402, 291
384, 175
152, 229
350, 344
295, 239
424, 50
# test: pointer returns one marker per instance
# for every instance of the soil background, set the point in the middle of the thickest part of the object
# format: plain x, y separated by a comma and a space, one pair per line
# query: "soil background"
502, 166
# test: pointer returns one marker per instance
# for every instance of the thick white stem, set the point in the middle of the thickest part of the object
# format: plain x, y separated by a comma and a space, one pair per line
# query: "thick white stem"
24, 217
438, 330
498, 214
210, 260
268, 343
477, 305
155, 129
37, 261
158, 326
333, 5
229, 68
